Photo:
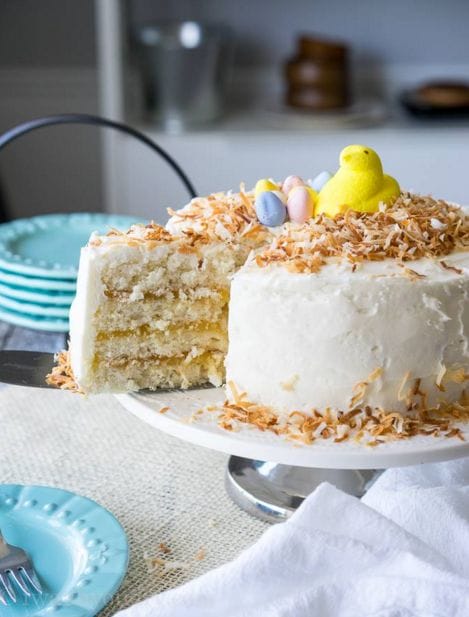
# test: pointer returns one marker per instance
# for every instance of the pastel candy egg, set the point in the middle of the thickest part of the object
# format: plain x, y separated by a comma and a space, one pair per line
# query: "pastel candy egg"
320, 180
312, 193
281, 195
300, 204
269, 209
290, 183
265, 185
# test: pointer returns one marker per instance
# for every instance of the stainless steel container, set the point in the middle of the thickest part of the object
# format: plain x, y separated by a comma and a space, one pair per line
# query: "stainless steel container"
185, 67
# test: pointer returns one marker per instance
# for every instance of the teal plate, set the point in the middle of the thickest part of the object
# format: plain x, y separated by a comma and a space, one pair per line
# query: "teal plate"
29, 308
10, 278
57, 298
79, 550
46, 324
49, 245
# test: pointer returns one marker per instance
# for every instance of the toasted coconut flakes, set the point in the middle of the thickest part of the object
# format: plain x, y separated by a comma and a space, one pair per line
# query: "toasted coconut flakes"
436, 224
164, 409
456, 375
455, 432
62, 375
404, 231
439, 378
201, 554
164, 548
161, 567
234, 391
359, 389
448, 267
412, 274
374, 375
400, 393
367, 425
320, 429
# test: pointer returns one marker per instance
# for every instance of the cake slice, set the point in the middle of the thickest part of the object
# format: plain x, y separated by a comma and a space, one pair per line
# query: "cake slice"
151, 304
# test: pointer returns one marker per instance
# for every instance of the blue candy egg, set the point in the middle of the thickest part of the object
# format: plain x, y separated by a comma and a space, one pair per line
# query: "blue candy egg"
320, 180
270, 210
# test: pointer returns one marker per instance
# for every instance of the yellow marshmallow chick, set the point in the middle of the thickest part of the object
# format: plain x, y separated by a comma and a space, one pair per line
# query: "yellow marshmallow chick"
359, 184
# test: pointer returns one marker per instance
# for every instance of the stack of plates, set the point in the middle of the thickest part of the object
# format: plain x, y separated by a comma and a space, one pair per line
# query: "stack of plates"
39, 264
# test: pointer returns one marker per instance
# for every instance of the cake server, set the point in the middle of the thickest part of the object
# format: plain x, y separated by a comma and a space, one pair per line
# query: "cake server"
25, 368
30, 368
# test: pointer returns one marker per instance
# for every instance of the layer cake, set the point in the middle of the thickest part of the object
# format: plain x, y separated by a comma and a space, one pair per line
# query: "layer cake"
315, 306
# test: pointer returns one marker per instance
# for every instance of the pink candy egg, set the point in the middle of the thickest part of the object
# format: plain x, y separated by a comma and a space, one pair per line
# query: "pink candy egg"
300, 204
290, 183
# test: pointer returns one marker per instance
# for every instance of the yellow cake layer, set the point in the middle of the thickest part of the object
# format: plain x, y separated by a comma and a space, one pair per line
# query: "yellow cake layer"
146, 271
155, 372
124, 313
175, 340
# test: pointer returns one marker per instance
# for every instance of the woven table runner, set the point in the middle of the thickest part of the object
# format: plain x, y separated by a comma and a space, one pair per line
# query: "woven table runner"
162, 490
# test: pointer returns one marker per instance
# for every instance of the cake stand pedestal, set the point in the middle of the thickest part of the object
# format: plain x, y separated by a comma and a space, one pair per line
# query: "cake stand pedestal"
269, 476
272, 491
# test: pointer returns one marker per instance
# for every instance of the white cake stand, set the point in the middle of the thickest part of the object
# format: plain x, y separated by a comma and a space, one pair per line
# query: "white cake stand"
269, 476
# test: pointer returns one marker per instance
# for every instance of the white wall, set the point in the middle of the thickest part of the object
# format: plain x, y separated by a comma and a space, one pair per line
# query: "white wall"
427, 162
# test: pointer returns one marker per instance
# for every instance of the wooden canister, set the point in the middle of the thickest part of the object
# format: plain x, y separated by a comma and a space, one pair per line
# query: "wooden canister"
317, 76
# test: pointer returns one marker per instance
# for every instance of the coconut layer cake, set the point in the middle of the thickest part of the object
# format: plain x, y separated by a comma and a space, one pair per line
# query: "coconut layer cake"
320, 302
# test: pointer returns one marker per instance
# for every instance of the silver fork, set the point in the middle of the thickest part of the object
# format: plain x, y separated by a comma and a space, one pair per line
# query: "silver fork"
17, 569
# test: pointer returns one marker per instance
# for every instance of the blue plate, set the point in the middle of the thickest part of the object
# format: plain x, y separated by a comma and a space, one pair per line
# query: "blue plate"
49, 245
29, 308
78, 549
57, 298
46, 324
43, 284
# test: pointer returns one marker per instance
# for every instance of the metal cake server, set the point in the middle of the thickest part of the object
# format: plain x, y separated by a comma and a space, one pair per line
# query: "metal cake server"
29, 368
25, 368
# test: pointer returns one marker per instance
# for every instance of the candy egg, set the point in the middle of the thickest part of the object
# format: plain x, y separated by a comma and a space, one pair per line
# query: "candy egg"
300, 204
269, 209
320, 180
290, 183
313, 193
265, 185
281, 195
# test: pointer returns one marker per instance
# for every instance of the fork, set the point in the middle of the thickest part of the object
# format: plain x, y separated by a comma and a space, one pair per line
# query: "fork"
16, 567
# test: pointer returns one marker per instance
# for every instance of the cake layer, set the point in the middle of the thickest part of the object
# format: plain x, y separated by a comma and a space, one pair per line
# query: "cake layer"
349, 335
182, 306
174, 340
138, 270
153, 372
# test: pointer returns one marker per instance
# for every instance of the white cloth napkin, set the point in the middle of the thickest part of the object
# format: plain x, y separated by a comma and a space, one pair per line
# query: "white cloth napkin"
401, 551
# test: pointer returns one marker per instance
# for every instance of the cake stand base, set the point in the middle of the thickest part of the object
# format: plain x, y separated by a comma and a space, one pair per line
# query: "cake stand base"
272, 492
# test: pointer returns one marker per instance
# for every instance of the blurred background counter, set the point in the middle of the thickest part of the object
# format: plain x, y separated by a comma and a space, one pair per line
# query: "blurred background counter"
60, 55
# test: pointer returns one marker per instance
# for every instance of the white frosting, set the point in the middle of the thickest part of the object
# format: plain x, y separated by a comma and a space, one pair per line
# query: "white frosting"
82, 329
303, 341
90, 295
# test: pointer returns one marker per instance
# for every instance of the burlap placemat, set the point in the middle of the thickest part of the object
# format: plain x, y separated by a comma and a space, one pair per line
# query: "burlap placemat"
162, 490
